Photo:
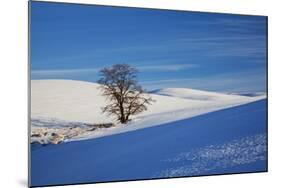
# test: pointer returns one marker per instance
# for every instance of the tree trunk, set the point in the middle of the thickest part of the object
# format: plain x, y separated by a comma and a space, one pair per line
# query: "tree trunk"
122, 118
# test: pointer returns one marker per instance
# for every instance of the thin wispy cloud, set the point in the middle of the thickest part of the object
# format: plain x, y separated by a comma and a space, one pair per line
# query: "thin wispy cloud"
240, 22
60, 73
208, 46
170, 67
222, 38
228, 22
229, 46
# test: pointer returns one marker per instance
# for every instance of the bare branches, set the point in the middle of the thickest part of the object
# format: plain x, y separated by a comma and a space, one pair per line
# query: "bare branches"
119, 85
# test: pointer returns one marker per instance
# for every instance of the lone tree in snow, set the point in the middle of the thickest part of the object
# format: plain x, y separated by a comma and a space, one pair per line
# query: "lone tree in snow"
119, 85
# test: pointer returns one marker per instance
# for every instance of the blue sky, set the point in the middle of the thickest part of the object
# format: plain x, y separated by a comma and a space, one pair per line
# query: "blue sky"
218, 52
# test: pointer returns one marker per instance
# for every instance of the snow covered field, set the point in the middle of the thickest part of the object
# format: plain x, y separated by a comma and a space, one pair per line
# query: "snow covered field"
68, 110
232, 140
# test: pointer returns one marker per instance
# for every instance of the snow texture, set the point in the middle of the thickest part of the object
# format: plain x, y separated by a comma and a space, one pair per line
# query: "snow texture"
237, 152
232, 140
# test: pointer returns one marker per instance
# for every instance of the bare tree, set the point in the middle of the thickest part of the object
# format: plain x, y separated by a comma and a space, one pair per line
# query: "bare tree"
119, 85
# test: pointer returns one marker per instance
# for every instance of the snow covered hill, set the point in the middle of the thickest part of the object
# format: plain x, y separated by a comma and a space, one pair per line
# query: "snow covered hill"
232, 140
79, 103
193, 94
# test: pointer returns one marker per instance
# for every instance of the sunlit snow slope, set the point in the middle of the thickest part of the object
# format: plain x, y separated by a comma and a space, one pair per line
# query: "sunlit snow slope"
232, 140
79, 101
